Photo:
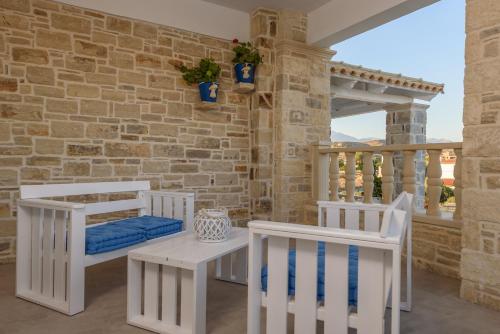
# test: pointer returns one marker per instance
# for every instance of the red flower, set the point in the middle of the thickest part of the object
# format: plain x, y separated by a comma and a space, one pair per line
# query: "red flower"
235, 41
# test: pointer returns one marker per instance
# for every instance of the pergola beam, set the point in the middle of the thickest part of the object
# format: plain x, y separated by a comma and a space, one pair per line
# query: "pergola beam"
355, 109
370, 97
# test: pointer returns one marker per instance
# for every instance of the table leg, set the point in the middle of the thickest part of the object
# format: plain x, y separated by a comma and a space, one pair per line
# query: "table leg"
193, 299
134, 282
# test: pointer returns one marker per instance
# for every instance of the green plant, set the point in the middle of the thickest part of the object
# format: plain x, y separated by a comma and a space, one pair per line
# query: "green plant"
246, 53
446, 193
206, 71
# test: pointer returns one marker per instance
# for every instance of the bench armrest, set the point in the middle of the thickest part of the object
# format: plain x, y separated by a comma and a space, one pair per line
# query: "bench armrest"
50, 204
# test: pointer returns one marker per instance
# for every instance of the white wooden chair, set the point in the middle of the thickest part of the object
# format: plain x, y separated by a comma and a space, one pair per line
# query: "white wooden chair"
380, 245
51, 257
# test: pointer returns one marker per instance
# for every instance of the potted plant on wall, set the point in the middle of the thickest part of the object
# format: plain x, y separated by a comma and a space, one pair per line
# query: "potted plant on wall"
205, 75
246, 58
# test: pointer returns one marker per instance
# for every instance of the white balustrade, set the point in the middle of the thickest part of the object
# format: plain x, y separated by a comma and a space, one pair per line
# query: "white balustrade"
326, 168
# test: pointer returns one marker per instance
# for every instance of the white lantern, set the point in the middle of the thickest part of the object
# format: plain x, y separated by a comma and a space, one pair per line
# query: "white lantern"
212, 225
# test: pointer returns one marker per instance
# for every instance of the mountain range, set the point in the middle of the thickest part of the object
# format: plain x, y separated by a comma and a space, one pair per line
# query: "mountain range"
342, 137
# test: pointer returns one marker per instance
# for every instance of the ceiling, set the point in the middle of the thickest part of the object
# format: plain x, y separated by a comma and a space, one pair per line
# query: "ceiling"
249, 5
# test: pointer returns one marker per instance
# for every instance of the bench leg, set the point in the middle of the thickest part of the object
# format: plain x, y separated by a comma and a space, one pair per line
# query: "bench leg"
193, 299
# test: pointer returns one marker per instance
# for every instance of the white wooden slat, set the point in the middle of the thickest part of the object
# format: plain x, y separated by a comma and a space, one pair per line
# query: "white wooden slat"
189, 218
226, 267
134, 288
151, 292
254, 282
23, 260
157, 206
68, 189
169, 295
168, 207
239, 266
113, 206
372, 221
388, 274
187, 298
200, 298
306, 286
179, 208
60, 255
76, 262
333, 217
352, 219
396, 291
277, 288
36, 249
48, 253
336, 288
371, 306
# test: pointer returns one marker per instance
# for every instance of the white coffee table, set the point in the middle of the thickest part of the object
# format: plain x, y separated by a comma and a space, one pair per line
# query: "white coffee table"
152, 288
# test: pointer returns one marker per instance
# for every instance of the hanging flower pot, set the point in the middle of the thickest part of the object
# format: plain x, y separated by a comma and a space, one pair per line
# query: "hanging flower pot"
246, 58
245, 72
208, 91
205, 75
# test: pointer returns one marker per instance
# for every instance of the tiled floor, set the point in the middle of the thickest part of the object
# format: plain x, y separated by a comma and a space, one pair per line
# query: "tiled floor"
437, 308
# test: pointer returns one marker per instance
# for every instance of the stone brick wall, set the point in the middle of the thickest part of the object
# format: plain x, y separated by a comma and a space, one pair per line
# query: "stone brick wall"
86, 96
481, 151
437, 247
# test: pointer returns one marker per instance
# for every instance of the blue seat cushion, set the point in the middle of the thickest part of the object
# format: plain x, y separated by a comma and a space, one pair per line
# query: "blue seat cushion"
153, 227
126, 232
353, 274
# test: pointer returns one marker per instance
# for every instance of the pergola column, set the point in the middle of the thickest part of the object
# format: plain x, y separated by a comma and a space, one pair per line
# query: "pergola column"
406, 124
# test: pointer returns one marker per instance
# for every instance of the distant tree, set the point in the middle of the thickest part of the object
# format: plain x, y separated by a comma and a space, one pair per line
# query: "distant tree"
446, 193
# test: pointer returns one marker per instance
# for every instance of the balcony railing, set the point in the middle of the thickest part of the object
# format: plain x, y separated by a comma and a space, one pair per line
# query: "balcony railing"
326, 173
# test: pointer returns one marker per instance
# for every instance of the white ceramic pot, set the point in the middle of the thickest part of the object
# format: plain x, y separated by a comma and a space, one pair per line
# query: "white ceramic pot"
212, 225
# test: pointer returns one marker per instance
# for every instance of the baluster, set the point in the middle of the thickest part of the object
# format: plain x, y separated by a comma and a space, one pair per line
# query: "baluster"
434, 182
457, 173
368, 177
387, 177
350, 176
409, 180
334, 176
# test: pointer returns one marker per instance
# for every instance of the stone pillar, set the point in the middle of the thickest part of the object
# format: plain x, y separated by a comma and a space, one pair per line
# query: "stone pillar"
406, 124
293, 101
263, 34
480, 269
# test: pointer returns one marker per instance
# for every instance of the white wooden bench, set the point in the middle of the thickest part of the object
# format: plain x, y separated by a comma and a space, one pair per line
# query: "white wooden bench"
51, 257
380, 245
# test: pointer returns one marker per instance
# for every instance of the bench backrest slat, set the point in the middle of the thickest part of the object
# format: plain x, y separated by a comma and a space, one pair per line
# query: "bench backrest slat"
114, 206
56, 190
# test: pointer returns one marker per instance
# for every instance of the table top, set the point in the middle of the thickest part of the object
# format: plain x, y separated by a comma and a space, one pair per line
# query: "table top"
186, 251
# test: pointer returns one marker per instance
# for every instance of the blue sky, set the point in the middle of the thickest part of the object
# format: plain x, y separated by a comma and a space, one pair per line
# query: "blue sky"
426, 44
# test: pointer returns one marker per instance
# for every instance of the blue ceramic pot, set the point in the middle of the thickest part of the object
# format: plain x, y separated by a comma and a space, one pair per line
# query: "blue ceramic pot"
245, 72
208, 91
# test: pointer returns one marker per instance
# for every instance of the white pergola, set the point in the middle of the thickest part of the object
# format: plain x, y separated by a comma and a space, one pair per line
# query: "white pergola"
357, 90
230, 18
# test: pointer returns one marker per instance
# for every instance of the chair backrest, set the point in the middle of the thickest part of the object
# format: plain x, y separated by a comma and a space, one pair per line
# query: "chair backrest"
69, 189
402, 202
352, 215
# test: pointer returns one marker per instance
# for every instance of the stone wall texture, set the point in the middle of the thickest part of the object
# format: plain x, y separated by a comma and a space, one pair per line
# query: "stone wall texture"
86, 96
481, 151
437, 247
290, 111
